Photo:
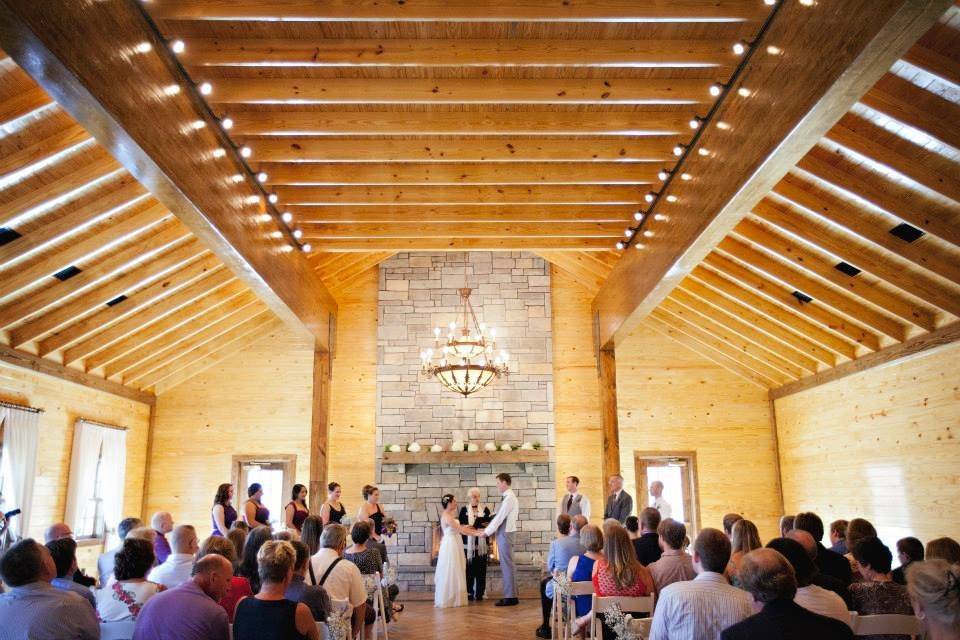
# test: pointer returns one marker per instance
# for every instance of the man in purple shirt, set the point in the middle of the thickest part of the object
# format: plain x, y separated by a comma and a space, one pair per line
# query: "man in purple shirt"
162, 523
190, 611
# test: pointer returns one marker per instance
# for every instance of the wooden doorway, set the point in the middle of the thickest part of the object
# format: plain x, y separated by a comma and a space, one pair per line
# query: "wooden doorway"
276, 473
678, 471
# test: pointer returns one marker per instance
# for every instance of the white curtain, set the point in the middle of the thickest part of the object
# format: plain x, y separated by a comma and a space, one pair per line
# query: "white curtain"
21, 436
113, 471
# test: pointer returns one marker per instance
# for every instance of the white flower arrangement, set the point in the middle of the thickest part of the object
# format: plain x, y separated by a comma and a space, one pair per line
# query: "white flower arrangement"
489, 447
526, 446
435, 448
472, 447
506, 447
394, 448
413, 447
458, 445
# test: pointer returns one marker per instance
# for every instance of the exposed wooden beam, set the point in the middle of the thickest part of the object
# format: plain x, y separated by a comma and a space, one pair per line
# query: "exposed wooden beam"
460, 10
464, 244
893, 354
546, 213
31, 362
837, 53
118, 96
321, 232
457, 173
461, 194
583, 149
934, 62
638, 122
319, 428
607, 379
923, 110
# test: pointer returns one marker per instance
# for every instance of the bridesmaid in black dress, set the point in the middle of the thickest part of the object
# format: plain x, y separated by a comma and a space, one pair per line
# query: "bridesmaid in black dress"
371, 510
333, 510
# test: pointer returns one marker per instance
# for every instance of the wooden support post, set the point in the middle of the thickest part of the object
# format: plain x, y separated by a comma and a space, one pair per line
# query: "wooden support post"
607, 361
319, 428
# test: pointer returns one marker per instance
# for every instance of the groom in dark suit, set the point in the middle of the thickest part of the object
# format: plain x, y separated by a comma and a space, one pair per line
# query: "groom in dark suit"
619, 502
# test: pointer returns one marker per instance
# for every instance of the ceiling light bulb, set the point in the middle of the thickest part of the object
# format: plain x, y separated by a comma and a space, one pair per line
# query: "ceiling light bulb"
716, 89
620, 246
262, 176
649, 196
739, 48
695, 123
648, 234
678, 150
638, 216
663, 175
177, 46
227, 123
685, 176
219, 152
671, 198
206, 88
297, 233
743, 92
286, 216
307, 248
273, 198
246, 152
659, 217
628, 232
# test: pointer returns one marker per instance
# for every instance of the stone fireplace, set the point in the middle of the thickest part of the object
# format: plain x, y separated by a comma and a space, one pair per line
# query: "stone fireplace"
511, 291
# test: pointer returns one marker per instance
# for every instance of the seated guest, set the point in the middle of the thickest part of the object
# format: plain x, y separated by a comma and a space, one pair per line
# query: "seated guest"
123, 598
701, 608
580, 568
787, 523
729, 520
562, 549
105, 561
934, 588
819, 579
312, 594
829, 562
142, 533
647, 545
59, 531
877, 593
33, 609
675, 564
310, 532
369, 562
619, 573
190, 611
64, 553
857, 529
632, 525
810, 596
340, 578
269, 615
838, 536
909, 550
745, 539
177, 567
162, 523
249, 568
239, 587
769, 578
237, 537
944, 549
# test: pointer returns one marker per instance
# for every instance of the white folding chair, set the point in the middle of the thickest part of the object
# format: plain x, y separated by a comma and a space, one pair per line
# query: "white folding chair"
641, 627
556, 614
380, 608
888, 623
117, 630
341, 611
642, 604
583, 588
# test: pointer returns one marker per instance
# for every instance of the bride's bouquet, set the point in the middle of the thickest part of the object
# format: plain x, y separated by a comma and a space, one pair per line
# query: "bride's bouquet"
389, 527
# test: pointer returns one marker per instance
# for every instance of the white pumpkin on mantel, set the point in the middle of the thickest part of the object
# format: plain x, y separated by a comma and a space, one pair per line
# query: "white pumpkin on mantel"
506, 447
395, 448
413, 447
489, 447
472, 447
457, 445
526, 446
435, 448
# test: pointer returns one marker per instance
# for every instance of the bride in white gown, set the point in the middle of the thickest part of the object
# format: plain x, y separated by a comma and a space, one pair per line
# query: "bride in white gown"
450, 580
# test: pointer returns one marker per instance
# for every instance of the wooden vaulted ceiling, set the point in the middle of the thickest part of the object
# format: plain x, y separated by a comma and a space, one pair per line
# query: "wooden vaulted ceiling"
813, 276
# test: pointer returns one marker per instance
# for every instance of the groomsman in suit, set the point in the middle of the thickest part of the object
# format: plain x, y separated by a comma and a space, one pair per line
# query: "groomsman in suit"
574, 503
504, 525
619, 502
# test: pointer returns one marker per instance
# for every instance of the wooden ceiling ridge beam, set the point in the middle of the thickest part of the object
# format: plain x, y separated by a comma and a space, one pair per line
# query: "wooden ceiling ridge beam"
462, 194
514, 243
72, 51
309, 215
836, 54
466, 230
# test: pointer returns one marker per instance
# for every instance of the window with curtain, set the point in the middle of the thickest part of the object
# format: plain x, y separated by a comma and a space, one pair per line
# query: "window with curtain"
97, 470
18, 461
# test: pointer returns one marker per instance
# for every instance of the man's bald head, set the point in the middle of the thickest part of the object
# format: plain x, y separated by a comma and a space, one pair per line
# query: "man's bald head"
212, 573
806, 541
57, 531
162, 521
184, 539
768, 576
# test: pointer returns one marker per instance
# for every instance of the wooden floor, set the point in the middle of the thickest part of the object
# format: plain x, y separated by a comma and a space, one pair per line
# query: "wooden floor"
478, 620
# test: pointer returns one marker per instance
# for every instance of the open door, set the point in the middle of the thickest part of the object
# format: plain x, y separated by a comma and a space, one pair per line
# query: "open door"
274, 473
677, 472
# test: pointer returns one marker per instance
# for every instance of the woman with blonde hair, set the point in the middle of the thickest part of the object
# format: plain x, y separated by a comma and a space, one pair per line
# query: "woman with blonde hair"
269, 615
934, 589
744, 538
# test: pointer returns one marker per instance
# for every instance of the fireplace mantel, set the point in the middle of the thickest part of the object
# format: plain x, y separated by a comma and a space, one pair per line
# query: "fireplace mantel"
466, 457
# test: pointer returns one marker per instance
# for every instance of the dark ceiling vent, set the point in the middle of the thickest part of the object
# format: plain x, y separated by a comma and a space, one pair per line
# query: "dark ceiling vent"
7, 235
116, 300
802, 297
67, 273
907, 232
847, 269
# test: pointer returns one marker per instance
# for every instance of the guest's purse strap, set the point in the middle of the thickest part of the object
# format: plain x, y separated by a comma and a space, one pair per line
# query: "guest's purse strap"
313, 578
329, 569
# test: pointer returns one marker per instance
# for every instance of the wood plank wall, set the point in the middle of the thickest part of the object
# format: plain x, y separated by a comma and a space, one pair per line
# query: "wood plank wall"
255, 402
353, 393
578, 432
63, 402
883, 444
672, 399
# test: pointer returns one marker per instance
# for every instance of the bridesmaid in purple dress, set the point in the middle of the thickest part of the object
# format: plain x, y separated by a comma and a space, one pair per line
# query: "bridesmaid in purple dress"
254, 513
223, 514
296, 510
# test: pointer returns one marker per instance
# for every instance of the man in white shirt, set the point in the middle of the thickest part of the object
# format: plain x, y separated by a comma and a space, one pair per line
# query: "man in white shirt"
658, 502
504, 525
700, 609
810, 596
341, 578
574, 503
176, 569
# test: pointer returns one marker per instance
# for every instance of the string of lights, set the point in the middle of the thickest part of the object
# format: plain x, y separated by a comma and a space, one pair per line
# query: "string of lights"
241, 153
699, 124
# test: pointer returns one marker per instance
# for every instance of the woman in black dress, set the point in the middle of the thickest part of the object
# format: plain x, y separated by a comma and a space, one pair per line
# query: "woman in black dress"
333, 510
475, 547
371, 511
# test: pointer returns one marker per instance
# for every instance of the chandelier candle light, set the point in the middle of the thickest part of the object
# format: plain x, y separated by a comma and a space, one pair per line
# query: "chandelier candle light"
466, 362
